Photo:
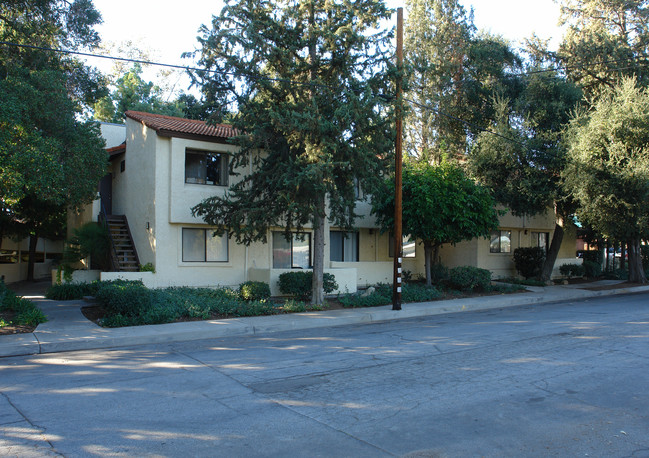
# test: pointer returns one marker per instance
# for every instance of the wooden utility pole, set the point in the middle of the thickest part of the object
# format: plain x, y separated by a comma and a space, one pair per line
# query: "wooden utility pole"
398, 239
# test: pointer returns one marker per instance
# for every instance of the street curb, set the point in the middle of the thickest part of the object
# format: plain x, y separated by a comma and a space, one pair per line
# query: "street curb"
95, 337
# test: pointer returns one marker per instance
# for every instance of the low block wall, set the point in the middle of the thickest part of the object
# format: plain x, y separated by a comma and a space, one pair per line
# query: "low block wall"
148, 278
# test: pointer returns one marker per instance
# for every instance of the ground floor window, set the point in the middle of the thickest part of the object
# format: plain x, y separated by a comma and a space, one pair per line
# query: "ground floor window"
501, 242
294, 253
409, 246
199, 245
9, 256
541, 239
343, 246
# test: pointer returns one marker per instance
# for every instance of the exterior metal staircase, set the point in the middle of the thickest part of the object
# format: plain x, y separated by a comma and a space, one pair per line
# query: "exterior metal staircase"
124, 255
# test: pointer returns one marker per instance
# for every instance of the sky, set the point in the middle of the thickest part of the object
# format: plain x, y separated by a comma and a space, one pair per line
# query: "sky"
166, 31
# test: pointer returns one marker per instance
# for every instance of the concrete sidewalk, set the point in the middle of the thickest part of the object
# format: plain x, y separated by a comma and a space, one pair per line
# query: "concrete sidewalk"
68, 330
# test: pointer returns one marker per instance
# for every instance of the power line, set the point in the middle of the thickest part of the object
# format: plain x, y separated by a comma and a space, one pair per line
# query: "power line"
159, 64
583, 67
482, 129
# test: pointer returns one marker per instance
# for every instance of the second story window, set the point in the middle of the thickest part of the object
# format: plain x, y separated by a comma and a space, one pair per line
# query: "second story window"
202, 167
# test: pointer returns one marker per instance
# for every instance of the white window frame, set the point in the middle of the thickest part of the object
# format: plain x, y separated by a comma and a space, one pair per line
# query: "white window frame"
206, 233
295, 237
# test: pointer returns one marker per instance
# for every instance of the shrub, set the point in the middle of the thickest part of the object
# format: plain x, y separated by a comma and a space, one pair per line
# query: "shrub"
30, 315
71, 291
571, 270
148, 267
592, 256
592, 269
26, 312
468, 278
438, 273
298, 284
90, 240
529, 261
127, 298
254, 291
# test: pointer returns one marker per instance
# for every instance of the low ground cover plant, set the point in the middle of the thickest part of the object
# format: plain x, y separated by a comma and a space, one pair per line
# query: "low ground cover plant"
382, 295
130, 303
23, 312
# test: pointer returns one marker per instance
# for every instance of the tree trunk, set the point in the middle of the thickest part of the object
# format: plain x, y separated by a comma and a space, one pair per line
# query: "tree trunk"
553, 252
623, 255
317, 295
428, 260
608, 256
33, 240
636, 272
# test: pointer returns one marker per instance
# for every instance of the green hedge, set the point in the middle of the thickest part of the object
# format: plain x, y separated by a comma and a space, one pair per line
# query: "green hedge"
592, 269
71, 291
298, 284
529, 261
254, 291
572, 270
466, 278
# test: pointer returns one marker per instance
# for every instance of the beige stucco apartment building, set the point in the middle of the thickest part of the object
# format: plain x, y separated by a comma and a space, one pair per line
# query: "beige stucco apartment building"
166, 165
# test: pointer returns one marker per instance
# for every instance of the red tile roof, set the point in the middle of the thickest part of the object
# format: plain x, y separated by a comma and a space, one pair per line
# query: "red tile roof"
170, 126
116, 150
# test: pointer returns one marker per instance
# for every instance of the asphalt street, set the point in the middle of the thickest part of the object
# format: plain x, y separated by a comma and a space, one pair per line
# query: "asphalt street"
562, 379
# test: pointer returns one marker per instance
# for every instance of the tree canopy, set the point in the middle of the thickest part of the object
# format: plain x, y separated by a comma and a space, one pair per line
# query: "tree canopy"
453, 74
521, 159
308, 81
131, 92
605, 41
608, 169
441, 205
49, 158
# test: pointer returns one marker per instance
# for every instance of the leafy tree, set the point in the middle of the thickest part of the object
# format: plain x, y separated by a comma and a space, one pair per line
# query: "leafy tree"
441, 205
608, 169
523, 157
133, 93
605, 40
49, 159
309, 81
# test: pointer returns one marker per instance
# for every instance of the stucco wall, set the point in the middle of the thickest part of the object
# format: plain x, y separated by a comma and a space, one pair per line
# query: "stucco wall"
14, 272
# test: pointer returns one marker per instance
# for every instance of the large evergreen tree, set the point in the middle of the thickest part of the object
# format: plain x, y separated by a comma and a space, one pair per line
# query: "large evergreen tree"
605, 40
608, 171
436, 43
453, 74
49, 159
308, 80
523, 157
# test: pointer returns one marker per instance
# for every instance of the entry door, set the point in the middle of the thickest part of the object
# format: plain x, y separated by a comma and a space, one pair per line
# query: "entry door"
106, 193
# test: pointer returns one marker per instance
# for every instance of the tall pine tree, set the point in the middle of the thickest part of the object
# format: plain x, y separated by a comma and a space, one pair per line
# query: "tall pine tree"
308, 81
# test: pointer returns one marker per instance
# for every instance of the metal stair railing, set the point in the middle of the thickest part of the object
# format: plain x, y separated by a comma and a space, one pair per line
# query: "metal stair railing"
114, 260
